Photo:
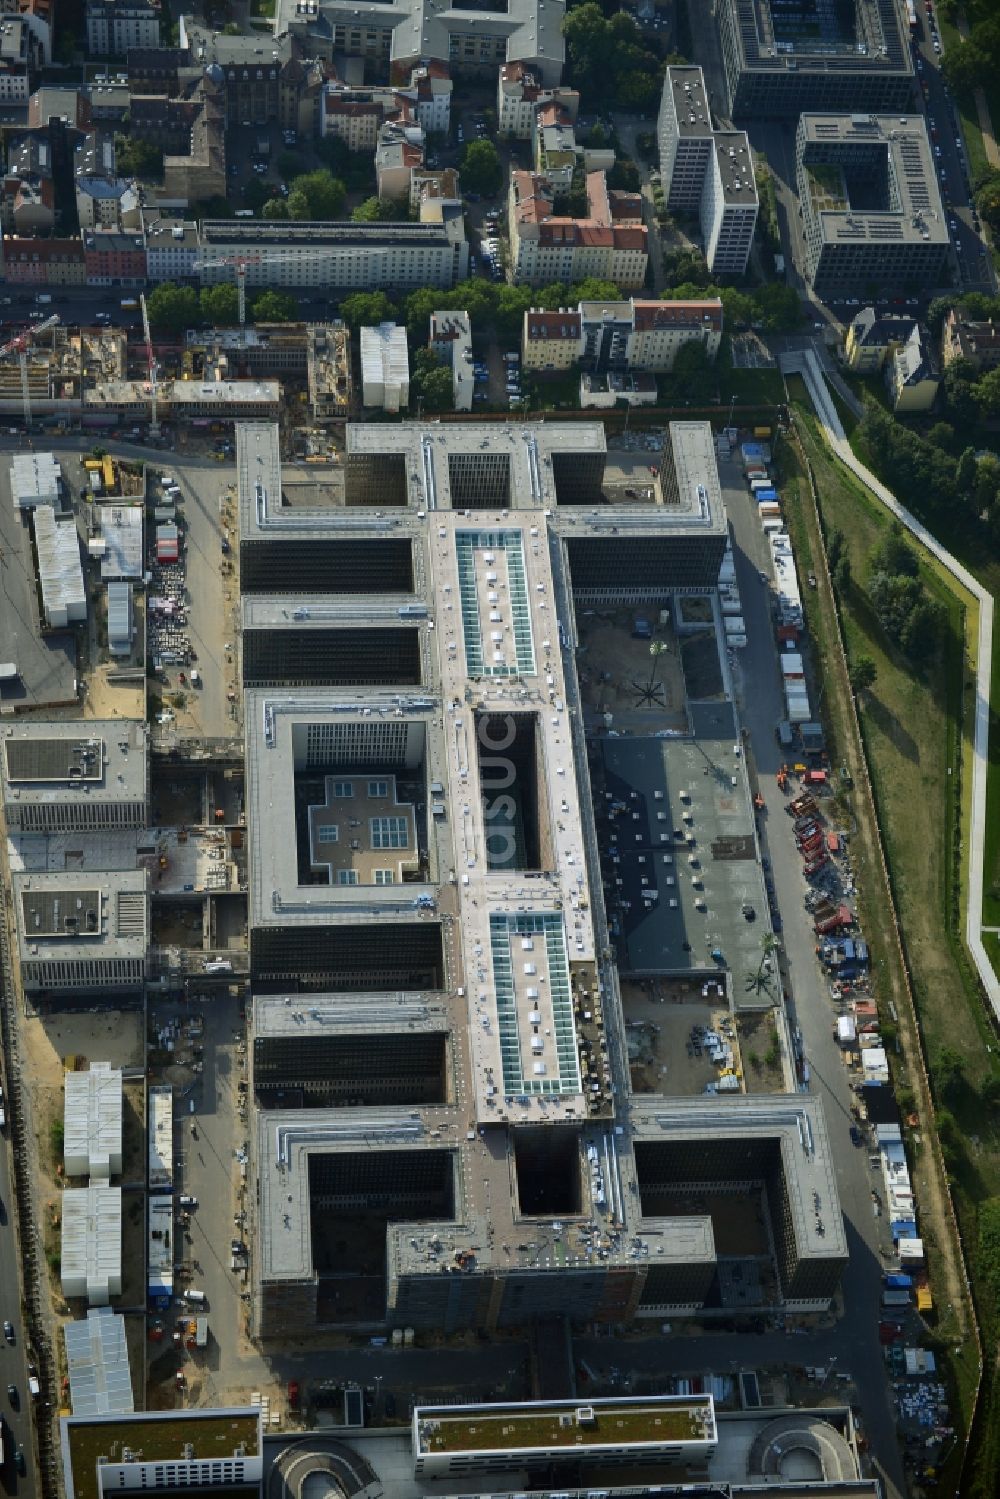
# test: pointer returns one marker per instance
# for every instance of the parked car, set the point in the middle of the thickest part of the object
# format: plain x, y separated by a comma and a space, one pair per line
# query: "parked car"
8, 1331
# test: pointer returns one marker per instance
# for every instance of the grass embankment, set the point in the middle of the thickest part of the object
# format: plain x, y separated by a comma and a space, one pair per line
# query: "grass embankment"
912, 726
966, 105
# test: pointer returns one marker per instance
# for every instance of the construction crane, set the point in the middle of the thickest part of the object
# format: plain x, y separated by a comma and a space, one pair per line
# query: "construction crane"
154, 426
20, 346
239, 264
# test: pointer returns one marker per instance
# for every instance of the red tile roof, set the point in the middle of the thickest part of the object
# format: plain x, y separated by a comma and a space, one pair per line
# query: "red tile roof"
649, 315
552, 325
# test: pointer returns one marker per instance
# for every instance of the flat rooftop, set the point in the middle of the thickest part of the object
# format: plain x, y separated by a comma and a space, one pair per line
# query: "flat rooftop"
152, 1438
910, 209
678, 818
542, 1427
99, 760
798, 1124
60, 916
873, 42
275, 1016
732, 151
687, 90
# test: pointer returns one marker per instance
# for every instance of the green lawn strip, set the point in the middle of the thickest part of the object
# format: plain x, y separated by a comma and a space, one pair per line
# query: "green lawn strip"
971, 132
910, 728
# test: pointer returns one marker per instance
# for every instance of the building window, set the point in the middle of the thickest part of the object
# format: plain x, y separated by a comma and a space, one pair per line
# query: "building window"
389, 832
343, 788
378, 788
347, 876
328, 832
384, 877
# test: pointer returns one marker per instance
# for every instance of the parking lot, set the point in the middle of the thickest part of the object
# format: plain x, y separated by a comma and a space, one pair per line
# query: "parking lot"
208, 1134
210, 595
47, 665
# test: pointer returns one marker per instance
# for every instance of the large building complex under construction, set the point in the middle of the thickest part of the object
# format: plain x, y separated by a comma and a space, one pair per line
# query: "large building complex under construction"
445, 1134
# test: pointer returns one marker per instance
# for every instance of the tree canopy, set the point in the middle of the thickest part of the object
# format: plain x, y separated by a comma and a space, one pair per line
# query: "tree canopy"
482, 169
172, 308
431, 382
363, 309
609, 61
321, 193
275, 307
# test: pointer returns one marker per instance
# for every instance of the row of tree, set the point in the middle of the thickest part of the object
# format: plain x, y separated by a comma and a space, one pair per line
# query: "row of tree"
610, 61
174, 309
489, 304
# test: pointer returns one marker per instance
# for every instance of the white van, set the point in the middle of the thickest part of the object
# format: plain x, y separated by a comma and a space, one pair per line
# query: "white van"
198, 1297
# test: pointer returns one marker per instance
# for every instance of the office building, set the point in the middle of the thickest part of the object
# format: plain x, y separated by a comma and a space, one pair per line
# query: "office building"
342, 256
451, 341
385, 367
706, 171
72, 777
162, 1452
871, 206
82, 932
415, 31
462, 1440
781, 59
412, 728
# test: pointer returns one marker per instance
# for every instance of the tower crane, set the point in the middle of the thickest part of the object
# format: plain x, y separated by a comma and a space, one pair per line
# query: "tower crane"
20, 346
154, 426
240, 264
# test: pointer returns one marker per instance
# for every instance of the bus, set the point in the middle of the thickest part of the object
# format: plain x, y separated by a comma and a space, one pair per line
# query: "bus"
130, 304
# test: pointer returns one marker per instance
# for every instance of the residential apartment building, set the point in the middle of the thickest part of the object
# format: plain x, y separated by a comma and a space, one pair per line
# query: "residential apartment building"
520, 93
706, 171
356, 121
113, 26
19, 56
978, 343
344, 256
856, 58
912, 375
114, 259
610, 242
27, 205
44, 262
870, 201
399, 153
104, 204
33, 17
551, 340
172, 249
637, 336
451, 341
416, 31
872, 337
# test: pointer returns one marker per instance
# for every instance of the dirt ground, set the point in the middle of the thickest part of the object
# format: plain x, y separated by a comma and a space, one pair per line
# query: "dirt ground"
756, 1031
104, 699
617, 673
659, 1018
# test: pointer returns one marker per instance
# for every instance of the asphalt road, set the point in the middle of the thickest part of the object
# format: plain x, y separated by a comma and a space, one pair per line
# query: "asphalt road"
854, 1340
13, 1360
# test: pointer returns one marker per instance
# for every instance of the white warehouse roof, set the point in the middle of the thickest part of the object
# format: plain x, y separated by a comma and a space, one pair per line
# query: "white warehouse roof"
100, 1381
92, 1122
34, 480
92, 1243
60, 571
121, 529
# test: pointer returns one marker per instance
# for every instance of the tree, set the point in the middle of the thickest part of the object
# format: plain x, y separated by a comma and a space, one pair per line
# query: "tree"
275, 307
364, 309
842, 574
219, 305
989, 1243
354, 168
324, 195
949, 1075
482, 169
431, 382
624, 176
942, 435
893, 554
862, 674
778, 307
135, 157
760, 979
297, 205
965, 474
692, 377
256, 194
385, 210
172, 308
986, 393
960, 391
275, 208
